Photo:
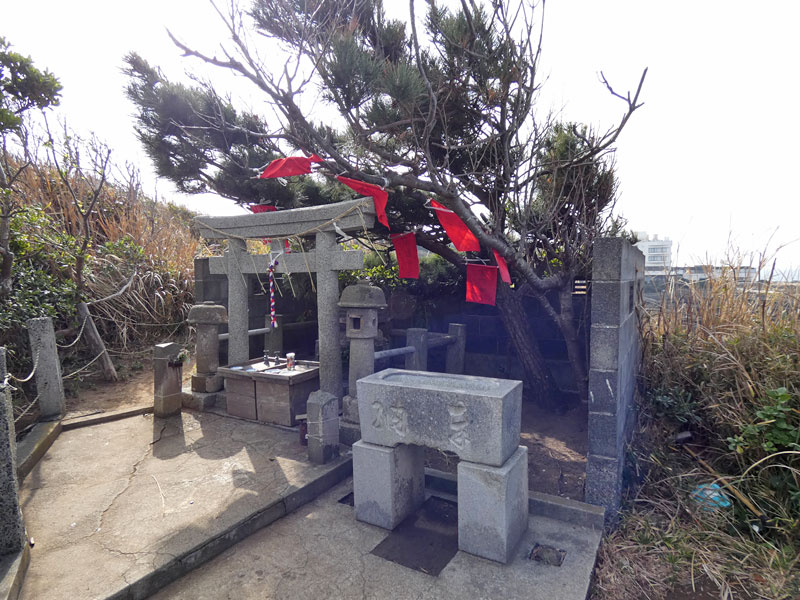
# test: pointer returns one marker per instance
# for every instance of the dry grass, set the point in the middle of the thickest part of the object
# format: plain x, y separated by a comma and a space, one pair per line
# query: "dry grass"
715, 354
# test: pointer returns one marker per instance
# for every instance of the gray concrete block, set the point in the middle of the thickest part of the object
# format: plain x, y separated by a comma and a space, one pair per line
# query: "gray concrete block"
49, 386
207, 384
493, 507
604, 347
609, 302
604, 485
478, 418
603, 390
200, 401
388, 483
323, 427
605, 435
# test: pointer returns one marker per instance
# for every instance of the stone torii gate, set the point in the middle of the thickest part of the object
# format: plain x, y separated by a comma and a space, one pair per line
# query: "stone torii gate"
321, 221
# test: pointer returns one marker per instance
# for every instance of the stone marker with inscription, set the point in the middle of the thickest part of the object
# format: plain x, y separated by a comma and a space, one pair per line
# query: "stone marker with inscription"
478, 418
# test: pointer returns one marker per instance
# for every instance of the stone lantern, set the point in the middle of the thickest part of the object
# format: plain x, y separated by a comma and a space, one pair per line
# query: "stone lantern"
207, 317
362, 302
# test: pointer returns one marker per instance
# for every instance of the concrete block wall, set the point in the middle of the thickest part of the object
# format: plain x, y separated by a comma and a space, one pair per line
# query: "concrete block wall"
614, 359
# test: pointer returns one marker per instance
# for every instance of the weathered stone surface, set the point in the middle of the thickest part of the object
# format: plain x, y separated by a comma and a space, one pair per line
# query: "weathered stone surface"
207, 313
200, 401
418, 338
388, 483
167, 380
350, 409
362, 362
493, 507
238, 316
330, 353
323, 427
207, 349
354, 215
49, 386
478, 418
12, 530
207, 384
454, 361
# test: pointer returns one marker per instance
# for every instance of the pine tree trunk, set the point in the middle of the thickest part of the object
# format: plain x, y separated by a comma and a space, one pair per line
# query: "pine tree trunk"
538, 382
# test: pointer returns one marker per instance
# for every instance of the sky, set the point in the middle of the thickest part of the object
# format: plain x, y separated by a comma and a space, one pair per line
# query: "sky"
709, 161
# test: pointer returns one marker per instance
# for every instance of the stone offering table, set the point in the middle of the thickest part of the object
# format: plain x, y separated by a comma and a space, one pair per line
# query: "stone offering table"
270, 393
478, 418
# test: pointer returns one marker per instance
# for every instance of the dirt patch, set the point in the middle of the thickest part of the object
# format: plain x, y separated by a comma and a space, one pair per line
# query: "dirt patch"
134, 390
557, 446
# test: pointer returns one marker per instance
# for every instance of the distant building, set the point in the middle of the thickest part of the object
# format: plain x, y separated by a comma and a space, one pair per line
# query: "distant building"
657, 254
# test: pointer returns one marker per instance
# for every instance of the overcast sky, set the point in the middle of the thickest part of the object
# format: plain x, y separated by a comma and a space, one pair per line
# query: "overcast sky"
711, 157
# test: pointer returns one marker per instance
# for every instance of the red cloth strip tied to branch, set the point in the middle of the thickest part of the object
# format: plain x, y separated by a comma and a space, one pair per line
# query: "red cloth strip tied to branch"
502, 267
287, 167
379, 195
463, 239
262, 208
405, 247
482, 284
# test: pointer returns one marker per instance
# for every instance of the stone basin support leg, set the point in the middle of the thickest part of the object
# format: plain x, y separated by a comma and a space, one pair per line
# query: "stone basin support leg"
388, 483
493, 507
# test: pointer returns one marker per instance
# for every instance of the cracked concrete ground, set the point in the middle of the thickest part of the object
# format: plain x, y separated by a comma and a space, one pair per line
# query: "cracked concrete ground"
110, 503
321, 552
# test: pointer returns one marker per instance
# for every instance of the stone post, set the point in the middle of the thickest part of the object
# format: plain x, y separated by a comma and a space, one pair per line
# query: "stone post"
362, 302
323, 427
454, 360
273, 341
330, 353
419, 339
12, 529
167, 376
238, 311
49, 386
206, 317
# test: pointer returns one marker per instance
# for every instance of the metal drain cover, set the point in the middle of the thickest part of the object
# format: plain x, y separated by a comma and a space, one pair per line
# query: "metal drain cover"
547, 555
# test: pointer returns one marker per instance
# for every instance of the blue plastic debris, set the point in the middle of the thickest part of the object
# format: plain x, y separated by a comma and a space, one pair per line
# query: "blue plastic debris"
710, 496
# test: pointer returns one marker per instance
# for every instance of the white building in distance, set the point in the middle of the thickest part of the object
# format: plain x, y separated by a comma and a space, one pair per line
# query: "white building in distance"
657, 254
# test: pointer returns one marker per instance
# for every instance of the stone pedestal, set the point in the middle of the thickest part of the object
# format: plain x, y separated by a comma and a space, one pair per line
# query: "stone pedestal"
388, 483
206, 317
323, 427
493, 507
167, 378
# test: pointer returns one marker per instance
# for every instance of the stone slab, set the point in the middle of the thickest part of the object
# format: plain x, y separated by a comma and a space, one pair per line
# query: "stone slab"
166, 406
239, 405
321, 551
207, 384
478, 418
121, 509
388, 483
49, 386
493, 507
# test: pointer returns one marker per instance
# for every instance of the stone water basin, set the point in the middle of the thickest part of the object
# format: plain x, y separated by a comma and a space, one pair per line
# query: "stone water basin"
269, 392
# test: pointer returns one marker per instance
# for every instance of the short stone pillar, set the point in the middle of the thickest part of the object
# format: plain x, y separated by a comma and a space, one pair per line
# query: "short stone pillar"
206, 317
456, 351
323, 427
167, 378
49, 385
478, 418
362, 302
418, 338
12, 529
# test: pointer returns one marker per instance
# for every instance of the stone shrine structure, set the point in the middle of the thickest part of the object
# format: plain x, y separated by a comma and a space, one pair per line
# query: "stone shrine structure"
478, 418
324, 222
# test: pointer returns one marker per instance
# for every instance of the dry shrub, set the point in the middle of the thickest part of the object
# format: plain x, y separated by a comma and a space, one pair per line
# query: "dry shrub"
721, 362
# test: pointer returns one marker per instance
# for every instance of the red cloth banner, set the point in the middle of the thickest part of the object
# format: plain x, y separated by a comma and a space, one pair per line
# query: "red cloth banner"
482, 284
405, 247
502, 267
463, 239
262, 208
379, 196
286, 167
